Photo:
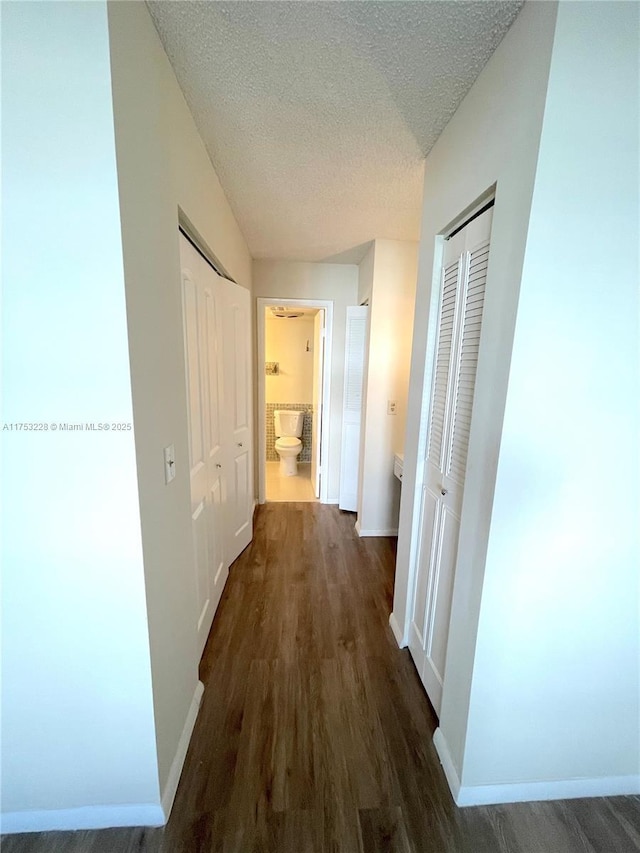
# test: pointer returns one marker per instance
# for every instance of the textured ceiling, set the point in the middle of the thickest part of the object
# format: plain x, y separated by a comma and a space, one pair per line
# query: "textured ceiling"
317, 115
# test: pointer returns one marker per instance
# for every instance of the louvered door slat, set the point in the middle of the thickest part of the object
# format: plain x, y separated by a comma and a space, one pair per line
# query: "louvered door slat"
442, 362
354, 370
467, 364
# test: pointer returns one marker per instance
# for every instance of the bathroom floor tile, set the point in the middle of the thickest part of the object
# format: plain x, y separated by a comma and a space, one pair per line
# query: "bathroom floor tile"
298, 488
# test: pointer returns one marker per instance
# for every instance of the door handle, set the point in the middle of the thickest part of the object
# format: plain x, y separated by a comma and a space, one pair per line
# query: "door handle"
443, 491
218, 465
240, 444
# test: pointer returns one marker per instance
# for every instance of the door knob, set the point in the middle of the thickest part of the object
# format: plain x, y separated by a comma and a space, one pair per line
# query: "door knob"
443, 492
218, 465
240, 444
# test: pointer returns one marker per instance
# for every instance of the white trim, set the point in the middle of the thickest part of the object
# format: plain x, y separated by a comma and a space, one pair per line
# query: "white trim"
462, 220
84, 817
450, 771
181, 752
193, 234
561, 789
334, 501
262, 303
392, 531
397, 633
523, 792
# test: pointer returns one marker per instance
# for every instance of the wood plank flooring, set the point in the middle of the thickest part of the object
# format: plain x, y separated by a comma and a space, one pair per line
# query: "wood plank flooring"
315, 735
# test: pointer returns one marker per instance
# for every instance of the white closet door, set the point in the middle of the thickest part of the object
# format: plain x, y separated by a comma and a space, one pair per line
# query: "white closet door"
217, 330
218, 568
237, 417
203, 384
451, 402
355, 348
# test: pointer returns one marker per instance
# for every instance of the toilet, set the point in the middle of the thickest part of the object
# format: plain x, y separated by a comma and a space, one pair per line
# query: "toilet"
288, 429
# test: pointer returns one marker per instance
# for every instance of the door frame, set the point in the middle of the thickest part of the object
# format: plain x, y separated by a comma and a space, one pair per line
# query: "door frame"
264, 302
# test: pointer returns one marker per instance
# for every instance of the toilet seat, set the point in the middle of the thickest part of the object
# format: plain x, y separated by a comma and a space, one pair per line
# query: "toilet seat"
288, 441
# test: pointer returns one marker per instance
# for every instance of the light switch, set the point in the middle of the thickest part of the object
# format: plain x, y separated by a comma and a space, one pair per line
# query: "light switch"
169, 464
392, 407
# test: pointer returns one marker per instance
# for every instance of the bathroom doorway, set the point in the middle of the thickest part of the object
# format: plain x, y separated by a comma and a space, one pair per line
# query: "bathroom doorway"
294, 342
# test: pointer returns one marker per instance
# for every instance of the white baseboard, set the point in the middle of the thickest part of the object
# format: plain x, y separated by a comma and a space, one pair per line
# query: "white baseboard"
85, 817
523, 792
562, 789
181, 753
334, 501
392, 531
450, 771
397, 633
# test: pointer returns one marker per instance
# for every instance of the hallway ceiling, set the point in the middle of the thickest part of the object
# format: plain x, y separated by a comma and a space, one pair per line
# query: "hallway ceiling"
317, 115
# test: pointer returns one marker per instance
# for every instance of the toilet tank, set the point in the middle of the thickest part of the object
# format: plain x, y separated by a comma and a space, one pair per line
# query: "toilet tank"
288, 422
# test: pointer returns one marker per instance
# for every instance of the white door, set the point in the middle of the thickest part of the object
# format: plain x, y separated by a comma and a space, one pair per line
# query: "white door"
355, 348
204, 371
318, 384
237, 417
218, 566
459, 326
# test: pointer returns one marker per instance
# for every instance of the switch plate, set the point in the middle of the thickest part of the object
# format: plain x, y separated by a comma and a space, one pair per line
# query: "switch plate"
169, 464
392, 407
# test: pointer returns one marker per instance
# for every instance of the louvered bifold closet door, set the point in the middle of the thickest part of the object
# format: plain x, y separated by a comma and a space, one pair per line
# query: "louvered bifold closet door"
475, 264
465, 261
355, 350
442, 367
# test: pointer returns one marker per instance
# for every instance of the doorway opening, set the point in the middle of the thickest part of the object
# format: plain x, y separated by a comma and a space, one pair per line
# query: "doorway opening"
294, 342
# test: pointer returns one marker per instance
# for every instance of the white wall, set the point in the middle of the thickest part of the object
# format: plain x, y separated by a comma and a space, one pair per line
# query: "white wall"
286, 343
77, 716
388, 280
163, 166
541, 688
339, 283
365, 275
492, 139
555, 687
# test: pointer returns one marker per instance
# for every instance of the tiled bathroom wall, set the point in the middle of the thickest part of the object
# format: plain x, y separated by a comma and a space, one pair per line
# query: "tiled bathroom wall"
307, 408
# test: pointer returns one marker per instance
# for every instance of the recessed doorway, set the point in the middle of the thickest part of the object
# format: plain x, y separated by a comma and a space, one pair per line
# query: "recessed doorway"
294, 339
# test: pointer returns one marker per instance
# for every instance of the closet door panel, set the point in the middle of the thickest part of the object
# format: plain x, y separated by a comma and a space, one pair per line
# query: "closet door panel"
194, 386
235, 335
419, 618
354, 362
217, 361
442, 575
203, 581
442, 366
449, 426
217, 568
196, 364
467, 362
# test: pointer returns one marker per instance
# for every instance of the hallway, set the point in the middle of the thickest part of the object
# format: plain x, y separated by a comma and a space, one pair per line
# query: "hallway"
314, 734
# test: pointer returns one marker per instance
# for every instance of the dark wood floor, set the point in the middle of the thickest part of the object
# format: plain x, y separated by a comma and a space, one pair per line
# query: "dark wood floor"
314, 734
